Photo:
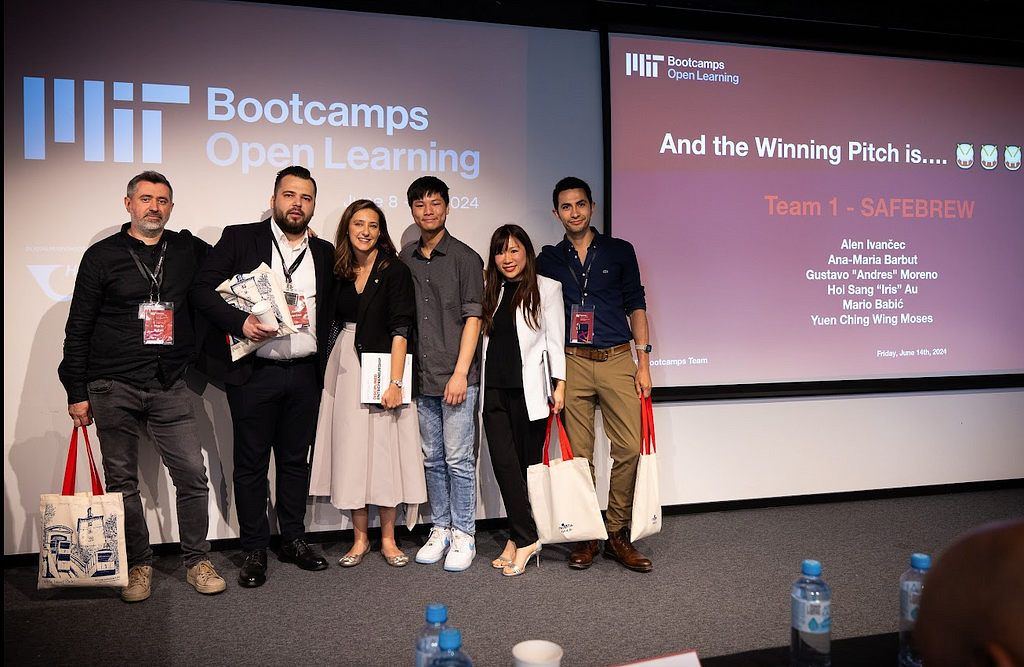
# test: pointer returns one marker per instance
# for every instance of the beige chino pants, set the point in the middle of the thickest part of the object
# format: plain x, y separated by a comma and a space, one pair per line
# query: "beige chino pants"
611, 384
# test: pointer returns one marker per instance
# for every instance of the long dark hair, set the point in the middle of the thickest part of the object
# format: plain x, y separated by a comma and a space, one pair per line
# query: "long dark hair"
344, 259
528, 295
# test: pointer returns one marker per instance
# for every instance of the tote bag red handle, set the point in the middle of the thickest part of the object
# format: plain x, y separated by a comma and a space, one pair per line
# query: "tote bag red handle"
647, 441
71, 468
563, 439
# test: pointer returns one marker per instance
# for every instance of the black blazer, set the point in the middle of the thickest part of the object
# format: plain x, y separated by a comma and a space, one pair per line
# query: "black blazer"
241, 249
387, 303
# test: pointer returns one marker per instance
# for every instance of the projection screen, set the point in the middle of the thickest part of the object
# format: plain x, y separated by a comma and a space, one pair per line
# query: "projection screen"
803, 216
220, 96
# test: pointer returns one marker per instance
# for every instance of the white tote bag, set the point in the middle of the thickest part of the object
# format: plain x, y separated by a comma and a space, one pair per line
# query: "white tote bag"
646, 498
82, 533
562, 495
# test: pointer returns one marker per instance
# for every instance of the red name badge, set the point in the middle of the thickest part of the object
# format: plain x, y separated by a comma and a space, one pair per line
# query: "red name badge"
581, 325
158, 323
300, 316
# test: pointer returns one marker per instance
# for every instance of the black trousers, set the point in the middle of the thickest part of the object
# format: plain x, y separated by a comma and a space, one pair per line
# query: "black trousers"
514, 443
276, 410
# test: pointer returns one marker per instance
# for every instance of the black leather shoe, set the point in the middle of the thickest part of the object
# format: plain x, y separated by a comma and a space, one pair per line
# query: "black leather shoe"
254, 569
298, 552
618, 547
582, 556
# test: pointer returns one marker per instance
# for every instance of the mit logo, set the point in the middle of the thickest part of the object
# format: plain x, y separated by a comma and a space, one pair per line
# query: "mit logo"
644, 64
93, 104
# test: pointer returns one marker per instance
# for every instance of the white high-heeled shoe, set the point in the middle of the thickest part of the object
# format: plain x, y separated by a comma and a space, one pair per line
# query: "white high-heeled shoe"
513, 570
501, 562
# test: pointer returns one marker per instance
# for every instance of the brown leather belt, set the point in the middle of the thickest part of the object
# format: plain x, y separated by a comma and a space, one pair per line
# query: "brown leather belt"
596, 354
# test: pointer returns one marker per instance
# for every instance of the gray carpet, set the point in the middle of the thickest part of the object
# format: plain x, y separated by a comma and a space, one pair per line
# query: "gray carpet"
720, 585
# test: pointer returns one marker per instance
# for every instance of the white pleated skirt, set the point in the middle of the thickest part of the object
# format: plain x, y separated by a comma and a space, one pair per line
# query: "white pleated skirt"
364, 454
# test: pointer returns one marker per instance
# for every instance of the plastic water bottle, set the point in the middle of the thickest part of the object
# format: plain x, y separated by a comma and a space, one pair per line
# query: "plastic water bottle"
426, 640
450, 655
911, 584
811, 624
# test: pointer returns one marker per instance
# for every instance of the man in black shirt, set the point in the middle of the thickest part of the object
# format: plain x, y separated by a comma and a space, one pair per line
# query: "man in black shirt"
127, 342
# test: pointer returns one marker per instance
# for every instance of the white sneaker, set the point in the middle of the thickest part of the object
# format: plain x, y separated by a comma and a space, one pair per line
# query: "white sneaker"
436, 547
462, 552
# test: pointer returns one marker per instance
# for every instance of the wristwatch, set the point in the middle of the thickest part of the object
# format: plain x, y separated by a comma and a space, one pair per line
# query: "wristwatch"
644, 348
397, 383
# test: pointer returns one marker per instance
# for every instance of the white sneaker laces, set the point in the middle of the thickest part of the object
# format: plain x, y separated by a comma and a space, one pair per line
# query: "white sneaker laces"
437, 537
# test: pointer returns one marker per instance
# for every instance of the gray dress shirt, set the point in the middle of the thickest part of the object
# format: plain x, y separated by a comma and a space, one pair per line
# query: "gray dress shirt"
449, 288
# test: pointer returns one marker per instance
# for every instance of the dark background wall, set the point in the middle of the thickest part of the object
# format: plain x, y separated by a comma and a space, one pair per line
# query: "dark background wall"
976, 31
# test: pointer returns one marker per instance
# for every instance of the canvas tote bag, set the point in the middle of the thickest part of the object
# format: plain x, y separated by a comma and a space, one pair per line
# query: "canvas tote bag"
646, 499
562, 495
82, 533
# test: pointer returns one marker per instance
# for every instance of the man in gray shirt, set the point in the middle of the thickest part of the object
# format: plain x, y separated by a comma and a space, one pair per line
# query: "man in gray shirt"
448, 276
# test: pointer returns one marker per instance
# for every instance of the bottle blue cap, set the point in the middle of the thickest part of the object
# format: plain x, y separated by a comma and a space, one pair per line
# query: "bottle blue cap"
920, 561
811, 568
437, 613
449, 639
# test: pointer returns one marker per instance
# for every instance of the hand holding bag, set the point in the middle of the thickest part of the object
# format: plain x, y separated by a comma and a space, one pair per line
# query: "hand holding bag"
646, 498
562, 495
82, 533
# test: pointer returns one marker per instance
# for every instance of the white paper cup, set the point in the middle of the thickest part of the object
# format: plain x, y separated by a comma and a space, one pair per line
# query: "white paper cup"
265, 314
537, 653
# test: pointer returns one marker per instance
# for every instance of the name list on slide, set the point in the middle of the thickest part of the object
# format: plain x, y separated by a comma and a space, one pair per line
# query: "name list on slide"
875, 283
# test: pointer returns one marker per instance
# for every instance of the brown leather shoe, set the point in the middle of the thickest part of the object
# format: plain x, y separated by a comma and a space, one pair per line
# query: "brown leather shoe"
582, 556
618, 547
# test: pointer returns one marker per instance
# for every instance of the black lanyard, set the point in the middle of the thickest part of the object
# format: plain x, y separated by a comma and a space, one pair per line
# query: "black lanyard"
288, 270
587, 265
155, 278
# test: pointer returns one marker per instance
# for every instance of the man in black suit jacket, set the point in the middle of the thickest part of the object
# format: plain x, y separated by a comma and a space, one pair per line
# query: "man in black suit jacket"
274, 392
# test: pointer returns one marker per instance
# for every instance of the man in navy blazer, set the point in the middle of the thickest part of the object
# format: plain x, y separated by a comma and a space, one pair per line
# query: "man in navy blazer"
274, 392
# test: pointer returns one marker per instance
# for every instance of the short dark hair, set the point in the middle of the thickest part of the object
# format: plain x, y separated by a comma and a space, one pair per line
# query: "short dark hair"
149, 177
570, 183
294, 170
427, 185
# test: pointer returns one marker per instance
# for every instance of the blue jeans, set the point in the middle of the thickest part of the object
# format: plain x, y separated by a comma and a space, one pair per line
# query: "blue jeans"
122, 412
447, 436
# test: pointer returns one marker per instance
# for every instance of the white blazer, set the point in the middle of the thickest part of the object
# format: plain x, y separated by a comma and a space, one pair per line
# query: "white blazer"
550, 337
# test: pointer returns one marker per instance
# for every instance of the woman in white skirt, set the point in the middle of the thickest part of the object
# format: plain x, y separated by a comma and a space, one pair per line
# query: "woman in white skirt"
368, 454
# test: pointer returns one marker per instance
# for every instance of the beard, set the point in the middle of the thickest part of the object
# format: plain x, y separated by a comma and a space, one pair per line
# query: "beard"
291, 224
148, 226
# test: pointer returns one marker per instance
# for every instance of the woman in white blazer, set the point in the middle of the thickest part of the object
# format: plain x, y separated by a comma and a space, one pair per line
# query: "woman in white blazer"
523, 366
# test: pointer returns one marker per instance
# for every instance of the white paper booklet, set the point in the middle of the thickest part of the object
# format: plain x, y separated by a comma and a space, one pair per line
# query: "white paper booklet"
375, 377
